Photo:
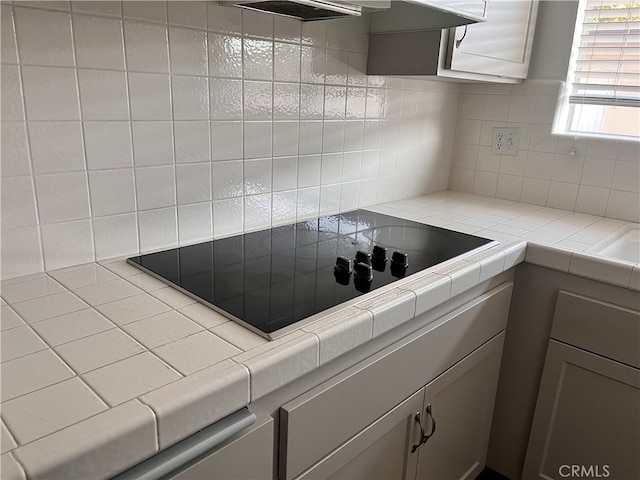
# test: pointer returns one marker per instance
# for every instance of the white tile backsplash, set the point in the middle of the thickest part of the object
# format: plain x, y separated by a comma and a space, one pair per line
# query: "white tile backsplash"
257, 212
191, 139
190, 14
44, 38
146, 46
285, 138
108, 145
104, 7
286, 29
158, 229
150, 96
286, 62
112, 192
50, 93
227, 179
98, 41
104, 95
11, 101
225, 55
257, 176
226, 141
228, 216
67, 243
195, 222
62, 197
188, 51
193, 183
258, 100
285, 173
255, 24
150, 124
155, 187
154, 11
284, 207
21, 251
258, 139
257, 58
115, 235
8, 41
56, 147
190, 98
313, 62
152, 143
585, 174
18, 202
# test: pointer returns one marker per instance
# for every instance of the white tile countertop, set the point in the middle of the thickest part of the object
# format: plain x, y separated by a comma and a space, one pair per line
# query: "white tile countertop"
103, 365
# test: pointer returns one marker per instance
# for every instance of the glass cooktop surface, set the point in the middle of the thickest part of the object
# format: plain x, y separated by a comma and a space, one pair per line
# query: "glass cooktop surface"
271, 279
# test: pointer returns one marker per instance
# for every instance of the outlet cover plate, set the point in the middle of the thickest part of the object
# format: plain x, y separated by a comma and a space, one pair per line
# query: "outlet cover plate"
506, 141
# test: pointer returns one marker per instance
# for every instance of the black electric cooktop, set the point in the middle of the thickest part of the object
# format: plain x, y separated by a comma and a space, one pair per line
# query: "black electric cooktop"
270, 279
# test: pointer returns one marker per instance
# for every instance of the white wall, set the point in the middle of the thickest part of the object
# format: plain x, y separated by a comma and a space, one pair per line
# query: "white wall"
134, 126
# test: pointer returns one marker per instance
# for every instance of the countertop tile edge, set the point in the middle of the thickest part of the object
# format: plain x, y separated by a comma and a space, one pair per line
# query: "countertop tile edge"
601, 269
11, 468
390, 309
548, 256
277, 367
198, 400
431, 290
341, 332
100, 446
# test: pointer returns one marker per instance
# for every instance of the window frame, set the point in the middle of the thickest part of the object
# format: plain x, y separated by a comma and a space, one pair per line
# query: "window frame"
566, 110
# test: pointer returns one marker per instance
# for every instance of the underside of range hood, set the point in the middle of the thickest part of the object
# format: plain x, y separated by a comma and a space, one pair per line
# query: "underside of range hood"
305, 10
386, 15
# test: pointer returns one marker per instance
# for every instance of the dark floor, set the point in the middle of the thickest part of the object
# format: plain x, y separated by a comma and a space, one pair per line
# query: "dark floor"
488, 474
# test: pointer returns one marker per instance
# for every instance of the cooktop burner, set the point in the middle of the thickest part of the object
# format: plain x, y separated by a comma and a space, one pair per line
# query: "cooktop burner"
271, 279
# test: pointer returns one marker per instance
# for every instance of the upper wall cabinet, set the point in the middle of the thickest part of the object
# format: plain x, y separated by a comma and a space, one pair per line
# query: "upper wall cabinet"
497, 50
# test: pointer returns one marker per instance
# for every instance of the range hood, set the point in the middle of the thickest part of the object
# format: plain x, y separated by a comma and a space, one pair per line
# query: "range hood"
386, 15
305, 10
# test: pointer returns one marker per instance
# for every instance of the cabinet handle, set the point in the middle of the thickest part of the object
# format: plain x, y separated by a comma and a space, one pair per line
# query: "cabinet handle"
423, 436
458, 42
418, 419
433, 423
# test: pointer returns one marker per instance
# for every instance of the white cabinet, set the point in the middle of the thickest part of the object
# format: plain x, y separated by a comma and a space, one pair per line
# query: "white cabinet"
439, 432
460, 402
587, 417
381, 450
367, 415
497, 50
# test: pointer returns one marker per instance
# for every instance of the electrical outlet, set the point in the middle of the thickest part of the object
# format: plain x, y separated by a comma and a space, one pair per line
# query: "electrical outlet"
505, 141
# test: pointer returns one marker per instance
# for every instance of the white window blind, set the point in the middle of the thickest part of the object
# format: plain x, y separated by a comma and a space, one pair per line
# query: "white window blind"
607, 65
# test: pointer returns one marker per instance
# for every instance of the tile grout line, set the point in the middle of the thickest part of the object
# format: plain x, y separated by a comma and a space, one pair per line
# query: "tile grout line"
156, 417
23, 105
82, 137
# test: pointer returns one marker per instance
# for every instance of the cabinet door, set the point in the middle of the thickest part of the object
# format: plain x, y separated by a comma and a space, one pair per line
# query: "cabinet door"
587, 417
501, 46
461, 405
380, 451
324, 418
248, 455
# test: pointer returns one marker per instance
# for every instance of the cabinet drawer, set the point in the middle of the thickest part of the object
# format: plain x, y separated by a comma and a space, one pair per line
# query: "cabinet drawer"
317, 422
600, 327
